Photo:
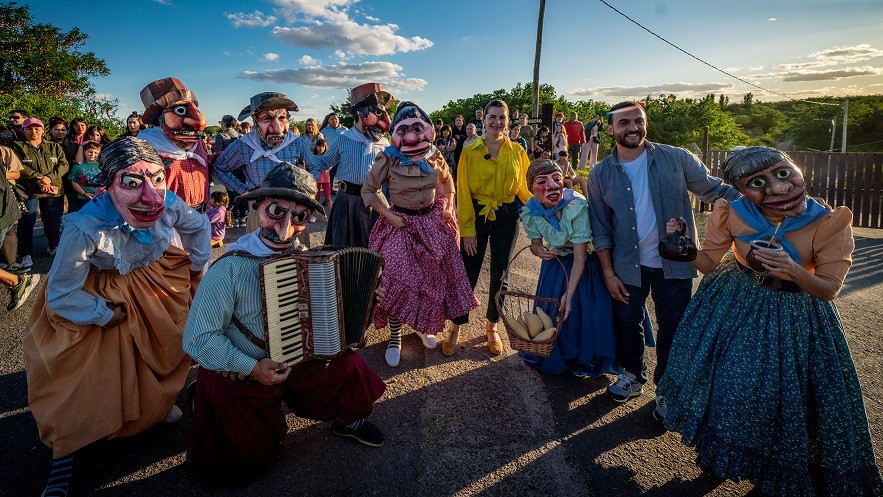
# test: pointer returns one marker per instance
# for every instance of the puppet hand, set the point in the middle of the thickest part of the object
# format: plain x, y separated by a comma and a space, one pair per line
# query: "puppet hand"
119, 315
379, 294
674, 225
396, 221
541, 252
446, 216
270, 372
564, 308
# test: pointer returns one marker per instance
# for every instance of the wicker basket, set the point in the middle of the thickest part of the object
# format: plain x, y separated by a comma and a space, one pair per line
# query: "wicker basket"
514, 303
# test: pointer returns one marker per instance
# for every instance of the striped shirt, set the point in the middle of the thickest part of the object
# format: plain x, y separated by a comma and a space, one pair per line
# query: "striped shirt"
238, 154
352, 155
231, 285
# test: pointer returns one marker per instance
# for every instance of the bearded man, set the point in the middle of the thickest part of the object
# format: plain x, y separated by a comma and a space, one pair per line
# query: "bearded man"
177, 137
350, 221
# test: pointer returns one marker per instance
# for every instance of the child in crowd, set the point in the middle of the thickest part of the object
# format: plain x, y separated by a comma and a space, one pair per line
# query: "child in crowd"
324, 184
542, 144
418, 236
570, 175
217, 217
84, 176
556, 221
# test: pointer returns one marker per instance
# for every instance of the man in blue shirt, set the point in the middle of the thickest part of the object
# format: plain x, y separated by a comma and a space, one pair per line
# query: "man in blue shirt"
633, 192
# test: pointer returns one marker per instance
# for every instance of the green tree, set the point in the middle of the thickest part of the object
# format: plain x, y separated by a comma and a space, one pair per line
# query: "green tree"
681, 123
41, 58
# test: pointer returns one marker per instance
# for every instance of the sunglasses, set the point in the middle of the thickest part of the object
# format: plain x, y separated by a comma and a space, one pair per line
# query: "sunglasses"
276, 211
14, 118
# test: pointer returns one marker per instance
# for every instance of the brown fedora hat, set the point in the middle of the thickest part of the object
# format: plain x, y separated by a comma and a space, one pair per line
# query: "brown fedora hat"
369, 94
267, 100
160, 94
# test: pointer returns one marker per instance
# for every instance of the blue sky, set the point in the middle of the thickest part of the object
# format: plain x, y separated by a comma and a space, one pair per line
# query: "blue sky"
433, 52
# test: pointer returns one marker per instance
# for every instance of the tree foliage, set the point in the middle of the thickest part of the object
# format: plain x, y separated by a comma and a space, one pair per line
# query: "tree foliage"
43, 71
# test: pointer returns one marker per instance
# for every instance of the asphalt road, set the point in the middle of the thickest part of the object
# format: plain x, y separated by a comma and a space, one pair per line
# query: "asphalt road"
472, 424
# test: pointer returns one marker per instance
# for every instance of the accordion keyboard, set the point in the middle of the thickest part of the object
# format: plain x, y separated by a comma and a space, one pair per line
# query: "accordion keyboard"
284, 306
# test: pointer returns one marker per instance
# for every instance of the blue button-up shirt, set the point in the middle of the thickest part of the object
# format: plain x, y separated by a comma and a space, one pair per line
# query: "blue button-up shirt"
238, 154
354, 158
672, 173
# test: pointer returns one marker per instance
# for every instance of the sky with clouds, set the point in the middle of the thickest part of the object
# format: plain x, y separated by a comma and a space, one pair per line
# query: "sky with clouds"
433, 52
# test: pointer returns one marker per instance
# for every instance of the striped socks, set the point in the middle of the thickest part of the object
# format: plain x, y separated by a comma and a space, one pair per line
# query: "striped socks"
59, 477
394, 349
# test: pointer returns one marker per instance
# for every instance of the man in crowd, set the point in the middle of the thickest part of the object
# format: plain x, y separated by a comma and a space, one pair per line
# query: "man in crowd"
633, 193
478, 121
257, 152
238, 426
43, 166
576, 138
14, 119
177, 137
353, 152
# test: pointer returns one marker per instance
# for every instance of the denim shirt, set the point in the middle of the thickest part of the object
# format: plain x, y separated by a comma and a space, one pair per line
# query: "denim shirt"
673, 172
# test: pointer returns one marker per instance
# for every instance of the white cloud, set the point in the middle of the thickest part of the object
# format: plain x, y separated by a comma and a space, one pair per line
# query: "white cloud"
306, 60
804, 65
352, 37
270, 56
755, 68
371, 18
772, 19
821, 75
225, 53
852, 54
684, 89
256, 19
340, 75
308, 10
732, 69
339, 54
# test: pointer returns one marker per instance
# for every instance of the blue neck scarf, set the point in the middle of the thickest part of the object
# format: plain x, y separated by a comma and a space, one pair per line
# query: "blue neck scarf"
107, 216
404, 160
535, 208
755, 220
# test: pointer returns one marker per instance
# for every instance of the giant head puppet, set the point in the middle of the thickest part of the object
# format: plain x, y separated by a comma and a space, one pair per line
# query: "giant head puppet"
270, 112
368, 104
135, 179
412, 131
172, 106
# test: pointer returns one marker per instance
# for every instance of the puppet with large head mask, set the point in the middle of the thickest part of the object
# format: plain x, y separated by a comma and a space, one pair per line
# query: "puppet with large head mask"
368, 103
173, 107
412, 131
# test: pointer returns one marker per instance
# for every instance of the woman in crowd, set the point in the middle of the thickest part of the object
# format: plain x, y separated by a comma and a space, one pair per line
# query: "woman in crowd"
76, 130
760, 378
557, 222
133, 124
491, 189
94, 133
311, 133
458, 133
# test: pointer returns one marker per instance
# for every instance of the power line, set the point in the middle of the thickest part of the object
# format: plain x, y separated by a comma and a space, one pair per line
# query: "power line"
709, 64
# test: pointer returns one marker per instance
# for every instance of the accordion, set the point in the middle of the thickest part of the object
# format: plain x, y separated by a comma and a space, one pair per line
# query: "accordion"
318, 303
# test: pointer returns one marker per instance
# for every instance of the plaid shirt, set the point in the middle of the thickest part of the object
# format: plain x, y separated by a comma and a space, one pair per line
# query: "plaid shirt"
188, 178
238, 155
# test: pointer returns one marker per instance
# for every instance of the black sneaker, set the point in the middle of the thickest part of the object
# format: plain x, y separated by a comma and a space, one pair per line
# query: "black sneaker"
364, 433
19, 293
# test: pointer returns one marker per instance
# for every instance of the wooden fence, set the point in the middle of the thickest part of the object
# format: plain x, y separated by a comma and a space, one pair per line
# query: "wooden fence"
851, 179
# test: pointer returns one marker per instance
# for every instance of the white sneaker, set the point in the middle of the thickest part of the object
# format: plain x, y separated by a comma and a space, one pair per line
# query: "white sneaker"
26, 262
625, 387
393, 356
429, 341
173, 415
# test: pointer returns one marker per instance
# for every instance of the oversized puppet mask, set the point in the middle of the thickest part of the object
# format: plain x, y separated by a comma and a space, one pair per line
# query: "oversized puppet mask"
413, 133
272, 126
138, 192
135, 179
373, 121
171, 105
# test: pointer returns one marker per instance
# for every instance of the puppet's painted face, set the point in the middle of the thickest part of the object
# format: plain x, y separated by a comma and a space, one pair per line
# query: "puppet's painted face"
280, 222
413, 137
183, 123
548, 188
373, 121
272, 125
778, 191
139, 192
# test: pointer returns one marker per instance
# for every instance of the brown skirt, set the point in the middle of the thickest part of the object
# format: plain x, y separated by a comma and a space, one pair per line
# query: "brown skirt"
85, 382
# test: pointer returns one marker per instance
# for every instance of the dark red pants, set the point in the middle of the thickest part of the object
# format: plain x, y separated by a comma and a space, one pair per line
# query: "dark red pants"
238, 428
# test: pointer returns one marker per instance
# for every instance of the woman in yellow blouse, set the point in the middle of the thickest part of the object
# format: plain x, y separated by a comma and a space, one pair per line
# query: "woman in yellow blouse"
491, 188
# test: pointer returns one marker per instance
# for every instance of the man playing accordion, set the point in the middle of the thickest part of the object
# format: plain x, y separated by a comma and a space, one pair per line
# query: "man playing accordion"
238, 425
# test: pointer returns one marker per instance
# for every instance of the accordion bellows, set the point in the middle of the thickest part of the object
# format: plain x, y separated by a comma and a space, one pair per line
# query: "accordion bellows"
318, 303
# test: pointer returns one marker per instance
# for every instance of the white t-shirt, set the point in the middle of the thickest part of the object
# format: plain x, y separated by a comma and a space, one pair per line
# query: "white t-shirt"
648, 235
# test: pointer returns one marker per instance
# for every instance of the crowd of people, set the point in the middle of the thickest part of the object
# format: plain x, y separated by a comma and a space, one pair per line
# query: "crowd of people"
753, 370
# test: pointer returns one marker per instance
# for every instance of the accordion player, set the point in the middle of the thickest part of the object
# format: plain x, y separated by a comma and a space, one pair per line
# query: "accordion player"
318, 303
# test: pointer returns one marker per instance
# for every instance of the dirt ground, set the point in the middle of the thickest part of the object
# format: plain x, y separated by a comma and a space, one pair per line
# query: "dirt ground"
468, 425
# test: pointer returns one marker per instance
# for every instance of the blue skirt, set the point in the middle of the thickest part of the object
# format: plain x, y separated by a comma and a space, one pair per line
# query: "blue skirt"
586, 341
762, 383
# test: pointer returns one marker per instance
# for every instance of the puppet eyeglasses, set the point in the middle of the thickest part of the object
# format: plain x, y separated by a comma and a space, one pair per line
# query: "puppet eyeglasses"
276, 211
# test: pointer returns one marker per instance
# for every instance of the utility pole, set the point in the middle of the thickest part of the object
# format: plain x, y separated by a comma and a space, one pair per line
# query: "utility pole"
845, 116
535, 105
